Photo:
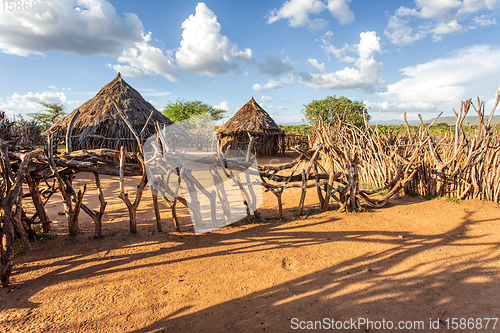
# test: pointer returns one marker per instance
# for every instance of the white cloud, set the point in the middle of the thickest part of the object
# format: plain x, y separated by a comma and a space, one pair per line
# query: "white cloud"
437, 18
272, 84
145, 60
366, 77
30, 102
444, 28
437, 9
274, 65
395, 110
483, 21
341, 11
340, 54
316, 65
276, 84
472, 6
297, 12
489, 104
154, 104
204, 50
224, 105
83, 27
400, 33
266, 99
443, 83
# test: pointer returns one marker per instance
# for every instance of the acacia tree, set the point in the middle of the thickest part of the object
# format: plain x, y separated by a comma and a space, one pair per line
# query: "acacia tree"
51, 113
182, 110
327, 109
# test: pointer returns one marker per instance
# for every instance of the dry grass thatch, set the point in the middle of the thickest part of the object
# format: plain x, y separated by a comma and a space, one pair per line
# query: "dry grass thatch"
99, 124
252, 120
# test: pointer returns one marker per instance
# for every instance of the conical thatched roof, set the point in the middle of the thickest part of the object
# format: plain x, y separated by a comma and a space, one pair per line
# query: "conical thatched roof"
99, 124
251, 118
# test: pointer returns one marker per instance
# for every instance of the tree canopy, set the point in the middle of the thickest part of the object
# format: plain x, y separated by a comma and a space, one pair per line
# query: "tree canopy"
182, 110
51, 113
327, 109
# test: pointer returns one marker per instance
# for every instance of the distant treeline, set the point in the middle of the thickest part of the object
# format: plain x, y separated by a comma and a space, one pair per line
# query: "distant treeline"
439, 128
297, 129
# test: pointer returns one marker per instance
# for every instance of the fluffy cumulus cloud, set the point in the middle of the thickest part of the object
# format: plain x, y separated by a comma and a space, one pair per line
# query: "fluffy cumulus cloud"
224, 105
266, 99
83, 27
298, 12
366, 75
272, 84
204, 50
341, 11
438, 18
144, 60
276, 84
441, 84
30, 102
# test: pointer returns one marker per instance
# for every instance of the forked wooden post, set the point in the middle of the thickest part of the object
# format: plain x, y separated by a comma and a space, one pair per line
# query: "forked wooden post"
157, 210
33, 187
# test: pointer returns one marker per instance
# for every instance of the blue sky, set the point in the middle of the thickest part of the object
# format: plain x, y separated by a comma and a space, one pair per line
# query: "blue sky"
421, 56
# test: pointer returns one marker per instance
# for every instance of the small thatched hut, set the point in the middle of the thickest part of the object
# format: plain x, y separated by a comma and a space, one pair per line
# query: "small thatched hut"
252, 120
99, 124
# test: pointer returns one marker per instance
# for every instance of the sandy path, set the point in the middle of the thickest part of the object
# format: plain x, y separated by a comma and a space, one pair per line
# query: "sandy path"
414, 260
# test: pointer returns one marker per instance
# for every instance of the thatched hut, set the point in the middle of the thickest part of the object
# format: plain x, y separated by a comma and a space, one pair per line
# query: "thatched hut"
99, 124
252, 120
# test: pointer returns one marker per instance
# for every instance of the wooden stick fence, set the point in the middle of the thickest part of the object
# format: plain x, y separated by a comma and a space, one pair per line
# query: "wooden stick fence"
347, 165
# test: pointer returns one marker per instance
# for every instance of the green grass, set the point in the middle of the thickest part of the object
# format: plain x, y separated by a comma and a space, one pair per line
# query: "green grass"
252, 219
109, 234
334, 207
430, 197
40, 236
19, 247
359, 207
453, 199
313, 210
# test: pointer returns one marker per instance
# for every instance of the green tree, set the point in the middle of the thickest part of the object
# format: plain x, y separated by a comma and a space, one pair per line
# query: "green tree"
51, 113
327, 109
182, 110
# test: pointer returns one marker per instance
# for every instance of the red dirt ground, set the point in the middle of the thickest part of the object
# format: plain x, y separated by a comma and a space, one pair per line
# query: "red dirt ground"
414, 260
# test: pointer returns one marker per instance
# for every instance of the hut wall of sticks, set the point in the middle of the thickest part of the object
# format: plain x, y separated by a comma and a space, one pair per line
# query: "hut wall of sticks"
252, 124
96, 123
